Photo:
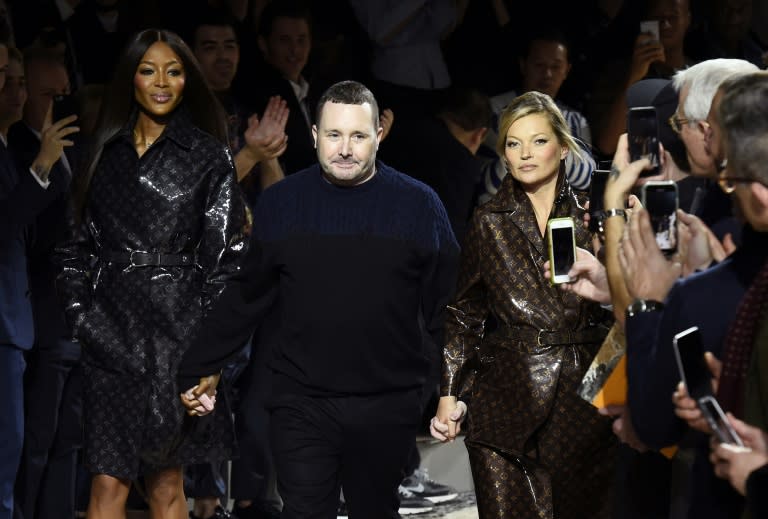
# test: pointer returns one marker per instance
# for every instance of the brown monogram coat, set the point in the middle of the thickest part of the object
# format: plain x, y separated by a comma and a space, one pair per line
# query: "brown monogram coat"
536, 449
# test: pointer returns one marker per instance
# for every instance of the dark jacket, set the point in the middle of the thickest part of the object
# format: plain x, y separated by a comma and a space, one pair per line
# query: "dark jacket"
22, 199
524, 390
134, 323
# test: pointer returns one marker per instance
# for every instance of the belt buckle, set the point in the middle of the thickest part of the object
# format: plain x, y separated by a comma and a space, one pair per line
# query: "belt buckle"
132, 263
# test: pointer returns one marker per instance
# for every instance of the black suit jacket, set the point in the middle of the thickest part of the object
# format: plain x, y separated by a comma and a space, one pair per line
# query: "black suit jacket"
44, 232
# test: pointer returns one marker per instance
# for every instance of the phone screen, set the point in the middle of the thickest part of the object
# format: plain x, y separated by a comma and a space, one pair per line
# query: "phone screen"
643, 135
596, 194
562, 250
718, 422
689, 350
660, 200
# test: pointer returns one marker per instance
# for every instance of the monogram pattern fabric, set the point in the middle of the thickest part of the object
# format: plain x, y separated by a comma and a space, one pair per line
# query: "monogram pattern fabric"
134, 323
531, 438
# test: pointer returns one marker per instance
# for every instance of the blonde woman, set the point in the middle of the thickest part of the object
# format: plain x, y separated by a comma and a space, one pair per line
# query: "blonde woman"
517, 347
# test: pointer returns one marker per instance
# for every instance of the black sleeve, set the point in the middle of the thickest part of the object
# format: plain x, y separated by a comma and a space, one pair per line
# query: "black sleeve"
757, 492
234, 315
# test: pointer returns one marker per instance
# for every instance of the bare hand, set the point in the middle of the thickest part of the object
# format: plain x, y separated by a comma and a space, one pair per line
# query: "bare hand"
686, 408
52, 143
735, 465
446, 424
698, 242
624, 175
201, 399
386, 119
647, 273
647, 50
590, 279
622, 426
266, 138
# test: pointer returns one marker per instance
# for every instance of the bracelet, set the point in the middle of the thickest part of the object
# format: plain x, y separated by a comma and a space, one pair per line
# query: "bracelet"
639, 306
614, 212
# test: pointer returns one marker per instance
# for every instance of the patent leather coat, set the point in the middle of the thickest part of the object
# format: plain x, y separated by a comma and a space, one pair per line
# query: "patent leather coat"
517, 348
135, 322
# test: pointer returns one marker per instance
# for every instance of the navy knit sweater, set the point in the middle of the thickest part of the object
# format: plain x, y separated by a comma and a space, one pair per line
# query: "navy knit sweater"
350, 268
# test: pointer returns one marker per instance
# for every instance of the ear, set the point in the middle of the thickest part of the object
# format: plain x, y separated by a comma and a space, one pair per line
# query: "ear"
314, 134
760, 194
564, 152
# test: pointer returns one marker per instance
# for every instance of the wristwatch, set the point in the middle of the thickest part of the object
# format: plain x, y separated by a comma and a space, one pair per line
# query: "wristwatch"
608, 213
643, 305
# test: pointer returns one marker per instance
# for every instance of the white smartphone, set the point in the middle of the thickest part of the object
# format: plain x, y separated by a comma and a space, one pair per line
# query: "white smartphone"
718, 422
651, 27
562, 248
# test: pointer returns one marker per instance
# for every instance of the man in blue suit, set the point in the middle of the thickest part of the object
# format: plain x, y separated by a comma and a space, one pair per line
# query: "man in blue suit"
25, 190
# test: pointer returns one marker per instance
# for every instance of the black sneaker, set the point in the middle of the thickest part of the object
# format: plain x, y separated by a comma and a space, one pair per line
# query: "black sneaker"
411, 504
342, 512
420, 484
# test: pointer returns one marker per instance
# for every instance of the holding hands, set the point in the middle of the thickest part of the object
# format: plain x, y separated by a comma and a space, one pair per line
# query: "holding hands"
201, 399
446, 424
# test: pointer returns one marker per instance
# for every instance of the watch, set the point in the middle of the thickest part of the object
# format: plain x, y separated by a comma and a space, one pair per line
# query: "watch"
608, 213
643, 305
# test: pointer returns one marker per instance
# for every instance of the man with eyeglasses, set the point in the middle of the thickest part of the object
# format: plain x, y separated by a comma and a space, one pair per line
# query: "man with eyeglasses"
697, 86
708, 300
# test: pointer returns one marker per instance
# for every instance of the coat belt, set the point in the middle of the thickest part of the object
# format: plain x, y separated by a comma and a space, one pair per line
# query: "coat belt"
555, 337
148, 259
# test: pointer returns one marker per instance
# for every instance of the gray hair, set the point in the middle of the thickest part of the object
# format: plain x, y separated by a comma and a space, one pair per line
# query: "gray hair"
743, 114
703, 80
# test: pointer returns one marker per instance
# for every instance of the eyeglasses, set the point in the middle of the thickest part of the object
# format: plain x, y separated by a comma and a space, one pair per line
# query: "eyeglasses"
728, 184
676, 123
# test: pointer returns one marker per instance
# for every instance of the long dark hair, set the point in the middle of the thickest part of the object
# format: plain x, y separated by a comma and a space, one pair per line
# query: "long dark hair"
119, 103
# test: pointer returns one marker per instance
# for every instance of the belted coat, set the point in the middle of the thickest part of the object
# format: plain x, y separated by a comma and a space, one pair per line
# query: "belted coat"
516, 350
135, 322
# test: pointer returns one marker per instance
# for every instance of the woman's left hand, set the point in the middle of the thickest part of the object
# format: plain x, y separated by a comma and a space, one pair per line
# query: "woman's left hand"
201, 399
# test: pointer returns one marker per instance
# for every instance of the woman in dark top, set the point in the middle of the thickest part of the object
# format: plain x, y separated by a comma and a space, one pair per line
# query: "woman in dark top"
517, 347
158, 229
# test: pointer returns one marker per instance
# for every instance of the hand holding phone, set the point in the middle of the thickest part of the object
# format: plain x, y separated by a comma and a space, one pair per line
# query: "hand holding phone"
660, 199
562, 248
643, 136
651, 27
718, 422
689, 354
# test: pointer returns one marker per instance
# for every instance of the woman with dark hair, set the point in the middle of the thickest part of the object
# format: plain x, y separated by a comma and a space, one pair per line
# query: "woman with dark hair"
517, 347
158, 231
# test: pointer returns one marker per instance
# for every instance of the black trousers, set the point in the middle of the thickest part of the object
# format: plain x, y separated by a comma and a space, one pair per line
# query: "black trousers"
45, 485
360, 444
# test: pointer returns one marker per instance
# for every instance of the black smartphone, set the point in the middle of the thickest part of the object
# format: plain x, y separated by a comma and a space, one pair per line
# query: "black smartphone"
643, 136
596, 194
63, 106
660, 199
718, 422
689, 354
562, 248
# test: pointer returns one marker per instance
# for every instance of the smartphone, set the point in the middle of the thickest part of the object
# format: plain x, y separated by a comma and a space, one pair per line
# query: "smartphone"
562, 248
689, 354
660, 199
596, 194
643, 136
63, 106
718, 422
650, 27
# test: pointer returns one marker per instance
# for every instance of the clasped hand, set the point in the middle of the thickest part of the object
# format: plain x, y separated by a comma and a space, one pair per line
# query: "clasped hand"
446, 424
200, 400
